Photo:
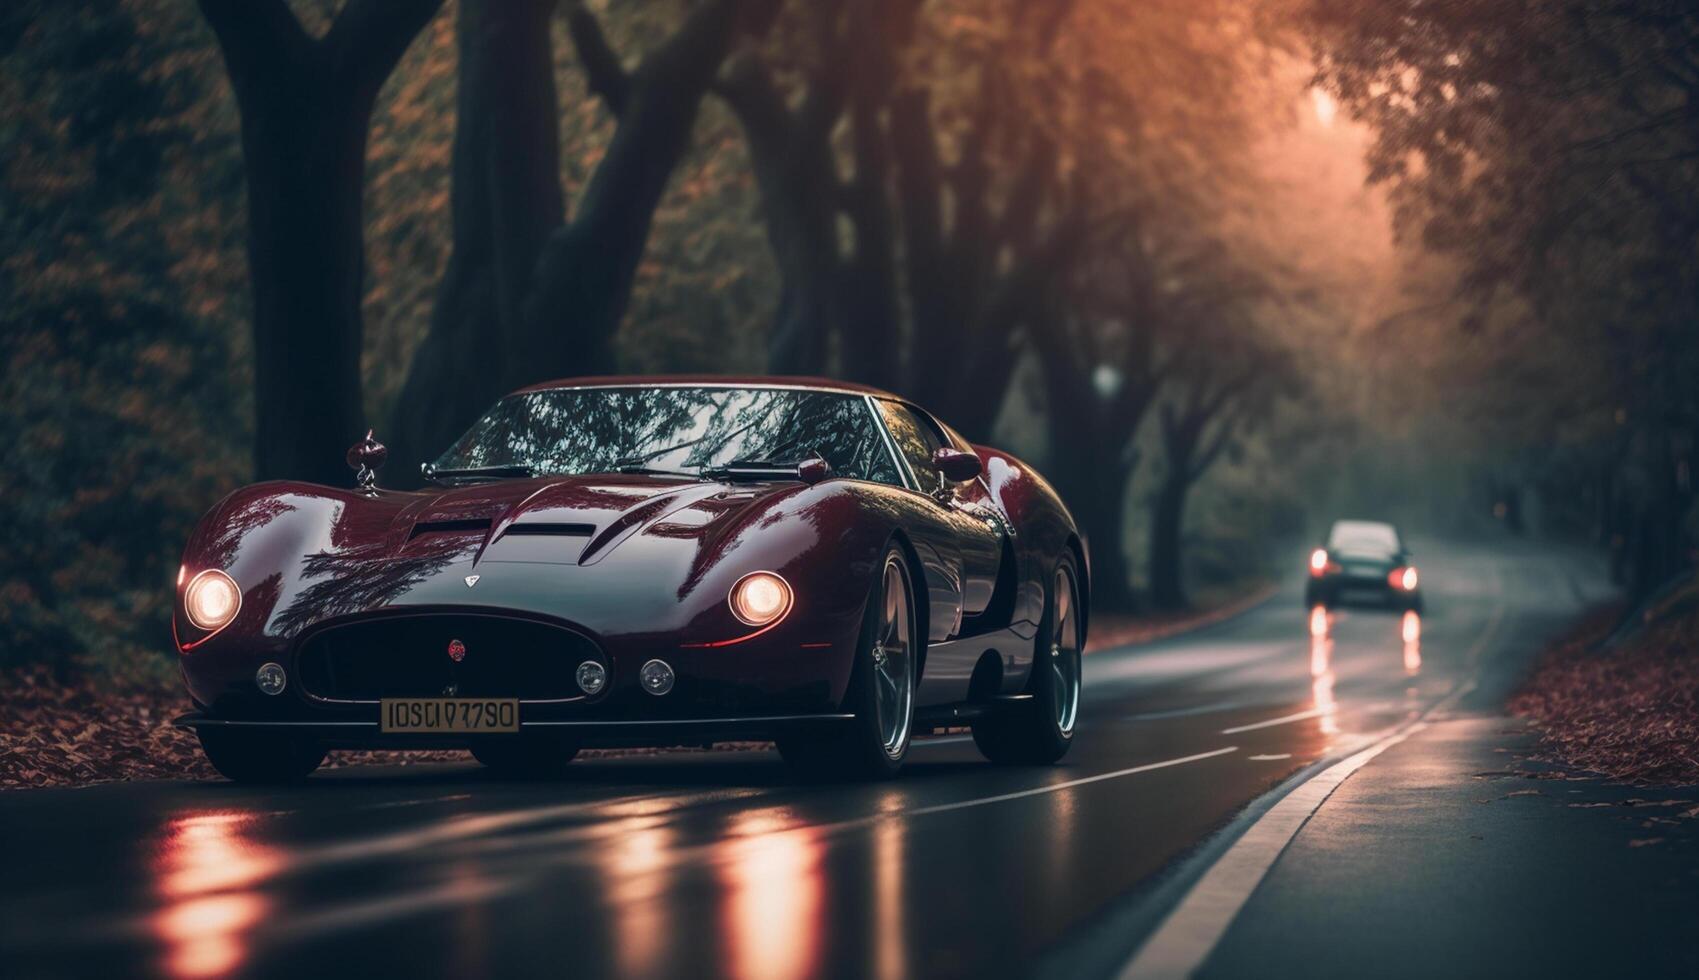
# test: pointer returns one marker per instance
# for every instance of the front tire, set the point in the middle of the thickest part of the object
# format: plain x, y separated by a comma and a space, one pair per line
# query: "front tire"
881, 688
259, 756
520, 757
1040, 731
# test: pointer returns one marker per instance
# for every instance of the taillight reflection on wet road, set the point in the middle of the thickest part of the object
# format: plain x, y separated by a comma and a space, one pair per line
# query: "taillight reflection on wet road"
1411, 630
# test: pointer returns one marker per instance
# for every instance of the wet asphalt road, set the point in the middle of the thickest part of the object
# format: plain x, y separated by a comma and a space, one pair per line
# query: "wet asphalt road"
712, 864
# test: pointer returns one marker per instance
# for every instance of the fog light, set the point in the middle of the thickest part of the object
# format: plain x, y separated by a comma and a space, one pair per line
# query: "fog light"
591, 676
657, 677
271, 678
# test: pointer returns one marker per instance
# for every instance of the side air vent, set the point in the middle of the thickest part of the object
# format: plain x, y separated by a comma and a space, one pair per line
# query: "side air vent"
558, 530
450, 527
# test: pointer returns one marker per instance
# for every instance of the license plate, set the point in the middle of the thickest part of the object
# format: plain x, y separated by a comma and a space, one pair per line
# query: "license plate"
450, 715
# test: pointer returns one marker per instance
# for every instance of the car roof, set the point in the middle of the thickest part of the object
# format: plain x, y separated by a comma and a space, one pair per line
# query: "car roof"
710, 381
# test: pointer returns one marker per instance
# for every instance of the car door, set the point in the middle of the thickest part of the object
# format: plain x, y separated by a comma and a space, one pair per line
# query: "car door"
974, 532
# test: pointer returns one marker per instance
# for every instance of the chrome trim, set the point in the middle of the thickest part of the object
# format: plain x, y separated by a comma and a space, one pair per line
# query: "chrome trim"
664, 723
190, 722
834, 389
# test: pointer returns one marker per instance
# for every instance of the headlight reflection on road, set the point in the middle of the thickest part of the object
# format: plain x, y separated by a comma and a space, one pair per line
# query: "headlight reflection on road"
774, 898
890, 943
634, 861
1411, 630
206, 869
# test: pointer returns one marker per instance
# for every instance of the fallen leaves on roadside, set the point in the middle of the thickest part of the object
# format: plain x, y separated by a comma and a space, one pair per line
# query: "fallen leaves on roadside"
71, 734
1629, 713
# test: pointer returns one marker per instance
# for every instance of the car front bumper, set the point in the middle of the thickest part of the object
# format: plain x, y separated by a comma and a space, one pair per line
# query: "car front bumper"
366, 732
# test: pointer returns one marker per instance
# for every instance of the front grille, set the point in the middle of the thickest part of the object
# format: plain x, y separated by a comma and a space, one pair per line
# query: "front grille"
408, 656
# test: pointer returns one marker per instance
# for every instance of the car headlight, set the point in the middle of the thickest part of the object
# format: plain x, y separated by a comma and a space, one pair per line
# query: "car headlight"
212, 600
760, 599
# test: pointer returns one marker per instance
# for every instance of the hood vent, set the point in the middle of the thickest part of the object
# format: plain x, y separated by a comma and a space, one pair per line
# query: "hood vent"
546, 528
477, 526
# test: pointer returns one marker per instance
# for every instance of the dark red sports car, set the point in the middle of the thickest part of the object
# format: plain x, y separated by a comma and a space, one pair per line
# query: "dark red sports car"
641, 561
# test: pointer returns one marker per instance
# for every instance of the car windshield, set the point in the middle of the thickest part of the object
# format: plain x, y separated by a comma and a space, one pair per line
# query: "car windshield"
1363, 536
672, 429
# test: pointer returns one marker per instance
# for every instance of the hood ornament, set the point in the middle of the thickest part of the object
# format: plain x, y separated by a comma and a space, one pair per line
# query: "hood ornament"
472, 580
364, 458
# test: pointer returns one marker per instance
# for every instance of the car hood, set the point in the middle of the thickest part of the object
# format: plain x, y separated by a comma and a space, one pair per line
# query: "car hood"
311, 552
604, 511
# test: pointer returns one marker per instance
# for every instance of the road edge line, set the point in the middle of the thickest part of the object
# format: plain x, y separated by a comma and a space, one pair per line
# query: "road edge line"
1190, 932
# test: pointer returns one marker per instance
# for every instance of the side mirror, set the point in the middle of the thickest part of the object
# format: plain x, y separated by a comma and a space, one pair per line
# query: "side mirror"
813, 470
956, 465
364, 458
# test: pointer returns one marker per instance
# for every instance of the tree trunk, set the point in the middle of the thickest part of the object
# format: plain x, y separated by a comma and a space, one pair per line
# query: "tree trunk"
305, 107
1098, 500
506, 200
587, 268
790, 152
305, 150
1167, 519
528, 298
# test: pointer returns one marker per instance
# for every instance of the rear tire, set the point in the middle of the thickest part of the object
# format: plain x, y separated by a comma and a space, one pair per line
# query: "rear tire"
881, 688
519, 757
250, 756
1039, 732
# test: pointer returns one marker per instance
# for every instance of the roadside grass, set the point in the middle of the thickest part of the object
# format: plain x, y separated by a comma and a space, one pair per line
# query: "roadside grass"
1627, 710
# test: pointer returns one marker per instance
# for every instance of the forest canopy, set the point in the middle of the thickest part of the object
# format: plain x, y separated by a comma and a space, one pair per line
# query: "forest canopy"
1219, 270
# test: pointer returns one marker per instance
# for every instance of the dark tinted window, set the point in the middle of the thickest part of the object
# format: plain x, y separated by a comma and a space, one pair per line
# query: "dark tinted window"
591, 430
916, 439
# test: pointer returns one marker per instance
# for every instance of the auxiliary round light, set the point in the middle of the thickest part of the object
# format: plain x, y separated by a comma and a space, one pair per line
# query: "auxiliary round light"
592, 677
271, 679
760, 598
212, 599
657, 677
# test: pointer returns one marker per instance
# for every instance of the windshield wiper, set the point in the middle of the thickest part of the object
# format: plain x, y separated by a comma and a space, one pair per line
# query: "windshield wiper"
637, 464
510, 471
752, 468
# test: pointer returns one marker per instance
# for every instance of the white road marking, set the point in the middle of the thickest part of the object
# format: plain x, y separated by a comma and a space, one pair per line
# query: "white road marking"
1270, 723
1057, 787
1269, 758
1190, 933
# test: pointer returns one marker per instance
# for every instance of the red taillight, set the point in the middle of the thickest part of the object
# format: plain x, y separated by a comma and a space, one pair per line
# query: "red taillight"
1318, 561
1403, 578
